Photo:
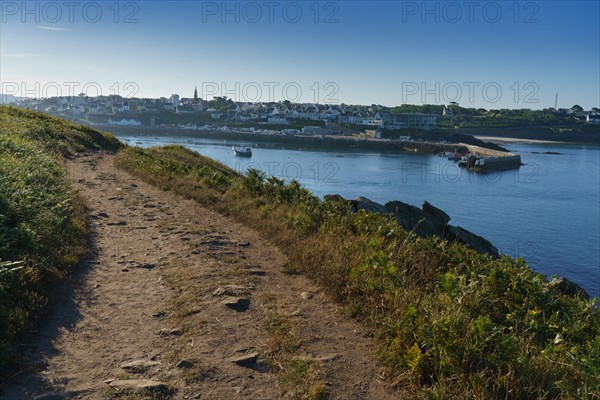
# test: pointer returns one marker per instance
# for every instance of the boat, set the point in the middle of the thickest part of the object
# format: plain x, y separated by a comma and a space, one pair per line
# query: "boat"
455, 157
243, 151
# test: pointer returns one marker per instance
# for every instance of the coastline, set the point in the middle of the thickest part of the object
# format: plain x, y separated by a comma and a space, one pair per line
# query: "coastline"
512, 140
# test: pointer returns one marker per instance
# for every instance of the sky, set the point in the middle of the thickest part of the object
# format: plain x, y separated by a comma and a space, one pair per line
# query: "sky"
488, 54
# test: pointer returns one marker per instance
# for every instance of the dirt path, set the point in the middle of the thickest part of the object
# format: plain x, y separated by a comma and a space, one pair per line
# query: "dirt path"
180, 291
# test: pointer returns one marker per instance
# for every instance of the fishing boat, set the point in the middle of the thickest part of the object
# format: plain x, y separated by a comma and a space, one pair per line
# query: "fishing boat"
243, 151
455, 157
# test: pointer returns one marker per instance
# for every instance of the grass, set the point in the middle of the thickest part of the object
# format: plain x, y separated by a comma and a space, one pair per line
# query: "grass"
42, 220
450, 323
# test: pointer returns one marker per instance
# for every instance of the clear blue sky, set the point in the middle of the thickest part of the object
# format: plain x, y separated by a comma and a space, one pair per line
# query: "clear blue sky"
389, 52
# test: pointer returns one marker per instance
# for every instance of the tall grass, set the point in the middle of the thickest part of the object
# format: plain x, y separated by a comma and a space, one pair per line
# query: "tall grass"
42, 220
450, 323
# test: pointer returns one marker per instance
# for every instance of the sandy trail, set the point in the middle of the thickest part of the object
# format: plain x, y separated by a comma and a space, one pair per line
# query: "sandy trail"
153, 294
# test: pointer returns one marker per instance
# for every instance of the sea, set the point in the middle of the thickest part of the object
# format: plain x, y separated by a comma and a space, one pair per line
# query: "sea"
547, 211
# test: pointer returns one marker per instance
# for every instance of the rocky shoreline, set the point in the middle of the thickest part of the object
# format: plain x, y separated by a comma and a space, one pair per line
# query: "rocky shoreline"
428, 221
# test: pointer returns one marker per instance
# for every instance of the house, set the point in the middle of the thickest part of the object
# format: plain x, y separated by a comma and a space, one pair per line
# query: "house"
125, 122
411, 120
593, 119
277, 120
311, 130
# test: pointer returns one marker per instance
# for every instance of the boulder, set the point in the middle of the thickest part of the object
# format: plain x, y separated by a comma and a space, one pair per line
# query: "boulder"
437, 217
334, 198
475, 242
427, 222
362, 203
569, 288
412, 218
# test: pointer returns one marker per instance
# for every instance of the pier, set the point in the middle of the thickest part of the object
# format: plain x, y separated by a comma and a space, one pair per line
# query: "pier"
493, 160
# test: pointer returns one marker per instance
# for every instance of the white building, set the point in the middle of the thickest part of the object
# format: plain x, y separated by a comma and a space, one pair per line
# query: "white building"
593, 119
175, 101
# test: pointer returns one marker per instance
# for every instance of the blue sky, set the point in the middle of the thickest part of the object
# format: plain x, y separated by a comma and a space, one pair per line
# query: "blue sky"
481, 54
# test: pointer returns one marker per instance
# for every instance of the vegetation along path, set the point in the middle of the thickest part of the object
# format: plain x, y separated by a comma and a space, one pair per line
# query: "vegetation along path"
180, 302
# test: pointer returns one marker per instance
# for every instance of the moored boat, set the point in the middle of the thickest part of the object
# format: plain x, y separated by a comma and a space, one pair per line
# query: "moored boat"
242, 151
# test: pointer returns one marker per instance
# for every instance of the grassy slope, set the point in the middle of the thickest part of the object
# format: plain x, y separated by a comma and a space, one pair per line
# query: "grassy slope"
42, 221
451, 323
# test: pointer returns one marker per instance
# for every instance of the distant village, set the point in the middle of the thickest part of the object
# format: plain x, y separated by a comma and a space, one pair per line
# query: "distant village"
302, 118
280, 113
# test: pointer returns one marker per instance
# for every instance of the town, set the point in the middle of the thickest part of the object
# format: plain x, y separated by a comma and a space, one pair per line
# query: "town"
307, 119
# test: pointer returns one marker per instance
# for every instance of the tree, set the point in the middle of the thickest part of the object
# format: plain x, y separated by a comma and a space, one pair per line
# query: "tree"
577, 108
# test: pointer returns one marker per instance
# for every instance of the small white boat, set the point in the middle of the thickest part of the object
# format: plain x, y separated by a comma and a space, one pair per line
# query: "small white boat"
242, 151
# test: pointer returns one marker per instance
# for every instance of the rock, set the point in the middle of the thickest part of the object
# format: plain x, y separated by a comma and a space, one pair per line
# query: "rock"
255, 271
171, 332
159, 314
362, 203
475, 242
120, 223
306, 295
568, 288
148, 265
334, 198
236, 303
102, 215
137, 384
243, 244
220, 291
411, 218
245, 359
437, 217
184, 364
139, 364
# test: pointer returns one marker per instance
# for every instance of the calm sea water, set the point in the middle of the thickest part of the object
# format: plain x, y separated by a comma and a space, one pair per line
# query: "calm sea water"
547, 212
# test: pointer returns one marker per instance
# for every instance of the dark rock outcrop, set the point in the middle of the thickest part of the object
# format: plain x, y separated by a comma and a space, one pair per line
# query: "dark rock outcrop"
362, 203
427, 222
569, 288
412, 218
475, 242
